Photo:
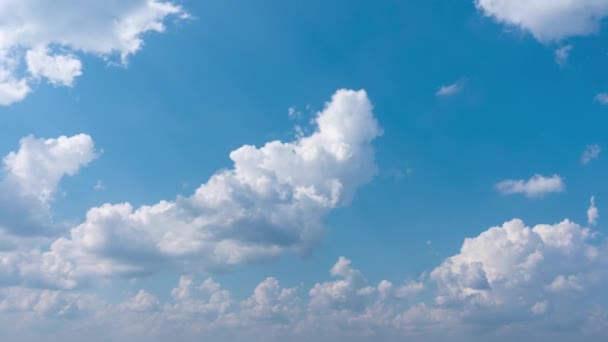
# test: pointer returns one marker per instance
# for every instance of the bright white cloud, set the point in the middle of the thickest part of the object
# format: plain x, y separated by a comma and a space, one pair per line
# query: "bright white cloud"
514, 271
58, 69
591, 152
272, 201
548, 20
593, 213
31, 178
47, 37
450, 89
536, 186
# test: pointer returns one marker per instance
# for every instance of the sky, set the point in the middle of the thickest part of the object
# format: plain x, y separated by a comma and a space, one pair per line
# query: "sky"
422, 170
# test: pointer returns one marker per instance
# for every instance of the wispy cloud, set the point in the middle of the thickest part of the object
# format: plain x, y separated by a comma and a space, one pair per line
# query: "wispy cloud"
591, 152
99, 186
592, 213
602, 98
562, 54
450, 89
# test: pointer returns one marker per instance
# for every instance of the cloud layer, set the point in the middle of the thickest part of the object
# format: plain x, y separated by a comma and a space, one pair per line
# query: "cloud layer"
509, 280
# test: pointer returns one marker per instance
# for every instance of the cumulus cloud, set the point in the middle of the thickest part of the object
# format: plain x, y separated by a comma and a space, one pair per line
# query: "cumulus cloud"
591, 152
350, 292
272, 200
507, 278
536, 186
271, 305
592, 213
514, 271
31, 178
46, 38
548, 20
58, 69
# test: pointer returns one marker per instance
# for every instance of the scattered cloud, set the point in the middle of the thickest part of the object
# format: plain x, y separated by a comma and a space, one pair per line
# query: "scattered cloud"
548, 20
536, 186
450, 89
99, 186
591, 152
562, 54
294, 113
39, 41
592, 213
602, 98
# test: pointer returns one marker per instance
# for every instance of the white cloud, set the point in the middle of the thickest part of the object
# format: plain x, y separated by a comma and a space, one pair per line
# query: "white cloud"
350, 292
58, 69
536, 186
513, 271
562, 54
47, 37
591, 152
450, 89
141, 302
548, 20
271, 305
592, 213
507, 278
31, 179
272, 201
602, 98
12, 90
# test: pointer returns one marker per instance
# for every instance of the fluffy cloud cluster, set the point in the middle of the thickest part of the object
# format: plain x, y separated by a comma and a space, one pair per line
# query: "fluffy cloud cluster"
536, 186
31, 178
508, 280
40, 37
206, 308
513, 273
548, 20
272, 200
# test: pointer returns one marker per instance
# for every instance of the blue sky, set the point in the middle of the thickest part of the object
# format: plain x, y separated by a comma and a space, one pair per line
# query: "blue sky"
316, 166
